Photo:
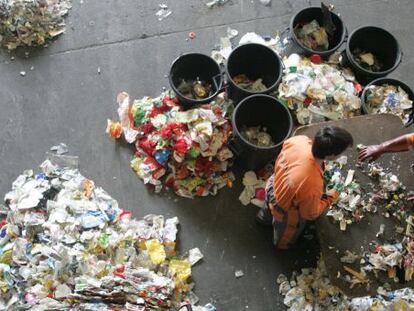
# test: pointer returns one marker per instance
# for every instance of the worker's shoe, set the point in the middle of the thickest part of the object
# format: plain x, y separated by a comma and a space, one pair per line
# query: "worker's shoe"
264, 217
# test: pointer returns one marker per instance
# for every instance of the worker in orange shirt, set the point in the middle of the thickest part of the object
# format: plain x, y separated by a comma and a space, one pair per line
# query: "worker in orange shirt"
295, 191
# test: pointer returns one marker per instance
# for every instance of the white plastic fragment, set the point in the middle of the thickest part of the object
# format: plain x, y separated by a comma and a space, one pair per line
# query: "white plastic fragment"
238, 274
195, 255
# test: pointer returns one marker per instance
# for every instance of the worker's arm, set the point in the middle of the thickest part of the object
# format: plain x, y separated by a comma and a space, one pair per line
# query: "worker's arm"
399, 144
312, 205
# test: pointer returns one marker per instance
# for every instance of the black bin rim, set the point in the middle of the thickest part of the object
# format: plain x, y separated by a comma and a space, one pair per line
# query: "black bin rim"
237, 132
270, 88
191, 100
381, 81
350, 56
310, 51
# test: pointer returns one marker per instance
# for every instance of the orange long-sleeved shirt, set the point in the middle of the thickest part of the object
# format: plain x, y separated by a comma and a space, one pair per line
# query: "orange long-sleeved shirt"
298, 180
410, 138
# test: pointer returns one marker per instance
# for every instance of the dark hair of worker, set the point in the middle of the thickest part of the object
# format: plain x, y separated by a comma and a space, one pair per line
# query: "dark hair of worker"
331, 140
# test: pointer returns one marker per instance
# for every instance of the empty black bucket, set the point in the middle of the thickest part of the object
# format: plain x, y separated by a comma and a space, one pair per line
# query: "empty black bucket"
256, 61
193, 66
382, 81
266, 111
307, 15
377, 41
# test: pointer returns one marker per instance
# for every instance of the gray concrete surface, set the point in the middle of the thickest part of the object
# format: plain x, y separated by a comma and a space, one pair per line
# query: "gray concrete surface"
64, 99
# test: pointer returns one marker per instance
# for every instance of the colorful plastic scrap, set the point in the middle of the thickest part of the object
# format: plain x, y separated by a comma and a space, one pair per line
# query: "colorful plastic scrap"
31, 22
312, 290
389, 99
386, 190
254, 186
66, 244
316, 92
185, 150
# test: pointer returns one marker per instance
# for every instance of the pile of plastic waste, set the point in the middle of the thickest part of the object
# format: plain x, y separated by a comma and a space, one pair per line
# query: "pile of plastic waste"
65, 244
188, 147
254, 183
388, 99
319, 91
312, 290
31, 22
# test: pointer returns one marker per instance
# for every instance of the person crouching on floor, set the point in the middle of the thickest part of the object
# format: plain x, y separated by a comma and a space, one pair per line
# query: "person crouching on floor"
295, 191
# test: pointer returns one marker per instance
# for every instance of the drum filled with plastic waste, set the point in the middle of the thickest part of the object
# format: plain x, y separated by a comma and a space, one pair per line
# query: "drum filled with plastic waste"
252, 69
372, 53
316, 30
196, 79
261, 124
386, 95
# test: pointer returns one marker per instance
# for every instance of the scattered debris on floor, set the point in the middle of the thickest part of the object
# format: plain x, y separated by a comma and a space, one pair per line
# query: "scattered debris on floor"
60, 149
244, 82
213, 3
188, 147
385, 195
316, 92
388, 99
163, 12
312, 290
367, 60
257, 135
354, 202
254, 186
266, 2
238, 274
222, 51
31, 22
65, 244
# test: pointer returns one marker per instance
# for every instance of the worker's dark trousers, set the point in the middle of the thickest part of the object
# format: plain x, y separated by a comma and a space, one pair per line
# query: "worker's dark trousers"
287, 225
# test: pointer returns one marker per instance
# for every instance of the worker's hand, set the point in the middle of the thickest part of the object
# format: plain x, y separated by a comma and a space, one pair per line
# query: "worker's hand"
410, 198
372, 153
333, 194
339, 187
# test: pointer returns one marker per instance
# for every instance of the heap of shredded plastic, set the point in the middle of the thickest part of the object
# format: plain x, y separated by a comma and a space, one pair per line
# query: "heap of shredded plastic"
188, 147
31, 22
319, 91
66, 244
312, 290
389, 99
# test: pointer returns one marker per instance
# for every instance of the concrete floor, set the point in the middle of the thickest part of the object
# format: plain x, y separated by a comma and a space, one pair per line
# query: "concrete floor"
64, 99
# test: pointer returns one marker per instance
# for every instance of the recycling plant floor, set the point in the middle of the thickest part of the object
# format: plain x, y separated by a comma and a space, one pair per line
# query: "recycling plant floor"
63, 98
